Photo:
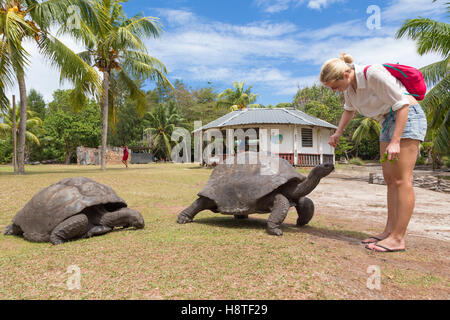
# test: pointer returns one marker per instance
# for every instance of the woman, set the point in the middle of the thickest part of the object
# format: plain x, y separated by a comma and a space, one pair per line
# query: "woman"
379, 95
125, 156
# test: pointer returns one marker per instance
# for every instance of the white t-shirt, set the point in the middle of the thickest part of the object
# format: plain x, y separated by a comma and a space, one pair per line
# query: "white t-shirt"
375, 96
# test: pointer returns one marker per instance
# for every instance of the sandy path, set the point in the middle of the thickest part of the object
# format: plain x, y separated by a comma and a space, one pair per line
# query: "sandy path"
348, 195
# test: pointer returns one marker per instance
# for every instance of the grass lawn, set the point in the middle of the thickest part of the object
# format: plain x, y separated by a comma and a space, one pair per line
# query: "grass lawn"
215, 257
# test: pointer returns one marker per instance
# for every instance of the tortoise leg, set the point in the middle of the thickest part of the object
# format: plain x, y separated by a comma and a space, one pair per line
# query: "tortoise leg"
279, 212
13, 229
188, 214
305, 211
73, 227
241, 216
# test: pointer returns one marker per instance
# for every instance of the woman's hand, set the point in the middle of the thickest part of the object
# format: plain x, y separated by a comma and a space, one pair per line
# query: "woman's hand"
334, 139
393, 150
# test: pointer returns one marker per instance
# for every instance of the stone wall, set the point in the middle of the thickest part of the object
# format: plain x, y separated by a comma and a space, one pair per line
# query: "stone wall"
430, 182
87, 156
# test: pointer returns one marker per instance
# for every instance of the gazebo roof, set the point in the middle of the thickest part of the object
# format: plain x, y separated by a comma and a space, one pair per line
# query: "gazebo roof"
266, 116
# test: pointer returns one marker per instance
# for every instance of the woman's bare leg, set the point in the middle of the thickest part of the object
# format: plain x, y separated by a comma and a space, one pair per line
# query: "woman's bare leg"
398, 177
391, 199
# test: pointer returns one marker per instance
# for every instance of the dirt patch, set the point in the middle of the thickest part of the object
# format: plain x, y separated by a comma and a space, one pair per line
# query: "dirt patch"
347, 194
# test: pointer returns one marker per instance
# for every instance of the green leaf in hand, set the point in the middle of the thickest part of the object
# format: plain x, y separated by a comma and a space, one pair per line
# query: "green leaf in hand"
385, 157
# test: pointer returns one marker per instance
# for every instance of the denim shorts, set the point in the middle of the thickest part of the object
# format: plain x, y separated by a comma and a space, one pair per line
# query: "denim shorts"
415, 128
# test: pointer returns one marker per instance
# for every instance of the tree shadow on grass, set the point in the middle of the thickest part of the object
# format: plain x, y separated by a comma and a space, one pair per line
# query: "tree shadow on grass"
349, 236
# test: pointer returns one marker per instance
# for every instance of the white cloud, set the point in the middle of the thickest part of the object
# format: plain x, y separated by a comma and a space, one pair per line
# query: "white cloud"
319, 4
265, 56
400, 10
274, 6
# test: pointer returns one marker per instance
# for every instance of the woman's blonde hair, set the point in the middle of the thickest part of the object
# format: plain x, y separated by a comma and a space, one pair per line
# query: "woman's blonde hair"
335, 68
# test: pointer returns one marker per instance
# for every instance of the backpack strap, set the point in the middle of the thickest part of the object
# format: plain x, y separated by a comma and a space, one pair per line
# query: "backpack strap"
365, 71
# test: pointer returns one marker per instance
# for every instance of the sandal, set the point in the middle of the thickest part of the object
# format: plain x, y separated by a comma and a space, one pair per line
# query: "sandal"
367, 242
386, 249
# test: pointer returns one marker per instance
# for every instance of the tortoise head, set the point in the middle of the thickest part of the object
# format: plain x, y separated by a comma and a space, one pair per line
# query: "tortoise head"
322, 170
135, 219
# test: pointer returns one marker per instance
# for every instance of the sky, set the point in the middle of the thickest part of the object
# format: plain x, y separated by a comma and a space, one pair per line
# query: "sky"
275, 46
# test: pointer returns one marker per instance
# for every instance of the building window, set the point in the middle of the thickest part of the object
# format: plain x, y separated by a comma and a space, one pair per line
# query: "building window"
307, 137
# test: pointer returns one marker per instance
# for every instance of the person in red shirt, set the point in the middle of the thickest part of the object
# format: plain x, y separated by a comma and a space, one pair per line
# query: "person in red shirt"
125, 156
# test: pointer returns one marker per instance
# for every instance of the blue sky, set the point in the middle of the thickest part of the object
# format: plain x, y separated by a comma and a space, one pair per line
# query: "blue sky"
276, 46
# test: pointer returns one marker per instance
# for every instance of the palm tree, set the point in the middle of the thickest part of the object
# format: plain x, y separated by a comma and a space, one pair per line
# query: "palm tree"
433, 36
30, 19
114, 44
163, 120
6, 128
367, 128
236, 98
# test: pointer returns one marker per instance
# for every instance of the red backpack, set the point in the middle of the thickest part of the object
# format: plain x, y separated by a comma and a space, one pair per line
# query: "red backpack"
410, 77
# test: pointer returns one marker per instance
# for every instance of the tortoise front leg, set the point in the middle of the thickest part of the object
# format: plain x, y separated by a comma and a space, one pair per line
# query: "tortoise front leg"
73, 227
279, 212
188, 214
305, 211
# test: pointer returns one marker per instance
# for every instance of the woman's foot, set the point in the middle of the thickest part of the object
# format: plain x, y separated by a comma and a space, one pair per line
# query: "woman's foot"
376, 238
387, 245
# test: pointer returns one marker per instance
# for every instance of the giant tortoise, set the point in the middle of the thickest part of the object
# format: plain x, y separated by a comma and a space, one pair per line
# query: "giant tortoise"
73, 208
266, 184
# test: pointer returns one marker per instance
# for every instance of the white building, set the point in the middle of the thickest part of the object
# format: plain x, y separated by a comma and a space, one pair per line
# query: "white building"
299, 138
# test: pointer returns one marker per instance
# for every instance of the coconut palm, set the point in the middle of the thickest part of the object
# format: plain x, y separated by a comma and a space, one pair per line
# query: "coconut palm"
21, 20
237, 98
433, 36
33, 121
163, 120
114, 44
367, 128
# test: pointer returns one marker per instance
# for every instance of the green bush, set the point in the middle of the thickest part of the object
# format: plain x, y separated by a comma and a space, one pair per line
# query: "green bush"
356, 161
446, 161
421, 161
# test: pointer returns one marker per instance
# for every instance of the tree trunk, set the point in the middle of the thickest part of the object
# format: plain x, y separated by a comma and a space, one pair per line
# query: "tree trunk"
105, 119
14, 135
68, 153
22, 124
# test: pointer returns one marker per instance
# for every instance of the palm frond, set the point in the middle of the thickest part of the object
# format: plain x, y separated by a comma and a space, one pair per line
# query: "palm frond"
135, 92
434, 72
431, 36
72, 67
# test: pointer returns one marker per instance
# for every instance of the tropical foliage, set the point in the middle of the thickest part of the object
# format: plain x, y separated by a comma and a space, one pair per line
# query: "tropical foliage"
22, 20
237, 98
162, 121
434, 37
6, 128
114, 45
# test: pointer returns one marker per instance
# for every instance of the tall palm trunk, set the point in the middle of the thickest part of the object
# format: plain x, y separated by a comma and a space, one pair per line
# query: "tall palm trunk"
22, 124
14, 135
105, 118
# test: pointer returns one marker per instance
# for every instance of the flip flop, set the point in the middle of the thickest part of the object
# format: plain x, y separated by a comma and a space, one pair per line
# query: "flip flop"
377, 239
385, 248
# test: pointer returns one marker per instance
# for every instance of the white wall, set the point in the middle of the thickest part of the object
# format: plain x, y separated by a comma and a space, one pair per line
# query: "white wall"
320, 139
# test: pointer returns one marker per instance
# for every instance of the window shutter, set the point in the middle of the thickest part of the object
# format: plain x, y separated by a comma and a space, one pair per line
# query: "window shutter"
307, 137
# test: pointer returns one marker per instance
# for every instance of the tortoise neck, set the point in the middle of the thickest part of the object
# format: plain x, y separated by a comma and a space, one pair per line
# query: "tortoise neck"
305, 187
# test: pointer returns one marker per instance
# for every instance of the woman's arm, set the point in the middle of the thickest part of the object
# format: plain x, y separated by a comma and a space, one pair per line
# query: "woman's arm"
346, 117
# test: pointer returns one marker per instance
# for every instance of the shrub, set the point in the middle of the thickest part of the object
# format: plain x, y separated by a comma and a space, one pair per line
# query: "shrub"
356, 161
